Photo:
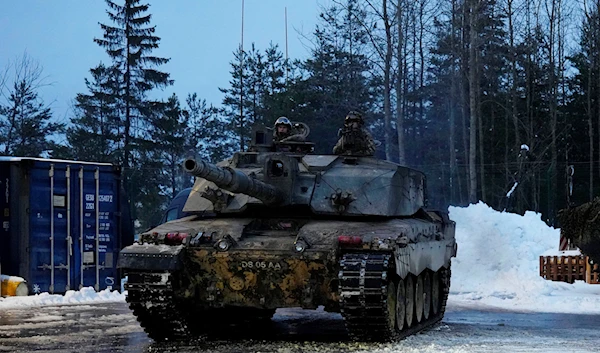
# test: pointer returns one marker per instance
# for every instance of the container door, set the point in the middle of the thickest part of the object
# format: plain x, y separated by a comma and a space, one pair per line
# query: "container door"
50, 242
96, 226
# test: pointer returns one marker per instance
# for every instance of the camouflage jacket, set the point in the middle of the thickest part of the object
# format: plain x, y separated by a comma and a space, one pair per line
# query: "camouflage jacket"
355, 143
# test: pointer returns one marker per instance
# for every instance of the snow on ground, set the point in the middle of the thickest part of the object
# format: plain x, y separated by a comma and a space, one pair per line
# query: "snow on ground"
497, 266
84, 296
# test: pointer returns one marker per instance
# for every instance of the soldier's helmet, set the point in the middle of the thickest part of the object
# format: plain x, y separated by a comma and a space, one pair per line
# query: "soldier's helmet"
354, 116
283, 121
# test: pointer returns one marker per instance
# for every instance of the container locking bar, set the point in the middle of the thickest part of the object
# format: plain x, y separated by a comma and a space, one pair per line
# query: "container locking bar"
69, 239
51, 174
97, 201
81, 227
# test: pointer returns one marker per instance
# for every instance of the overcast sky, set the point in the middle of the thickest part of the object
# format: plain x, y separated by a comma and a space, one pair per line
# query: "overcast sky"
198, 35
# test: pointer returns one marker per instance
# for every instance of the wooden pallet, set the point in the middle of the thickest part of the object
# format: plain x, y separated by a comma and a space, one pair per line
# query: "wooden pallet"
564, 268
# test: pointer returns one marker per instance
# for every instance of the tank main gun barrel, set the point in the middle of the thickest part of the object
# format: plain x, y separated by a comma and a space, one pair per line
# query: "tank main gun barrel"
233, 180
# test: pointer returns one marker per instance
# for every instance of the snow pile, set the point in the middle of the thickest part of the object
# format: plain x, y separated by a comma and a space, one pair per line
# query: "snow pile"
7, 278
86, 295
498, 264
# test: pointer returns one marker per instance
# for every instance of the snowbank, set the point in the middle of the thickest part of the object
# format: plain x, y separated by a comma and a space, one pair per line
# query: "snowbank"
498, 264
84, 296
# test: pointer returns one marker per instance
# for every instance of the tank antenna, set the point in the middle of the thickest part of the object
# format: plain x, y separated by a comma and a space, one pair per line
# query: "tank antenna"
286, 48
242, 83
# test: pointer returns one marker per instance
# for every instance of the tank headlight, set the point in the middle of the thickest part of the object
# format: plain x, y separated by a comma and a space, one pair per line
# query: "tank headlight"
223, 245
300, 245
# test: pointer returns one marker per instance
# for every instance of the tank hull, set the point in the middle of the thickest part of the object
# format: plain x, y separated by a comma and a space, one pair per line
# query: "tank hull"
345, 266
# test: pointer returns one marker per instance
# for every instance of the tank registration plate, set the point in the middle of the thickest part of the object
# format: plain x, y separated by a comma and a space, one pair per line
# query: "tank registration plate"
261, 265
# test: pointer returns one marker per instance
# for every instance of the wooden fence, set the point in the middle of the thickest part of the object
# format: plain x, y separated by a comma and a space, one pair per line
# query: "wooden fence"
568, 269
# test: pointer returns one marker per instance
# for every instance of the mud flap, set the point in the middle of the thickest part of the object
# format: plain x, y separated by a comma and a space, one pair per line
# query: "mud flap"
151, 257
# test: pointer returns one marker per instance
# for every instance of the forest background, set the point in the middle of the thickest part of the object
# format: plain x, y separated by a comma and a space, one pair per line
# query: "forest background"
495, 100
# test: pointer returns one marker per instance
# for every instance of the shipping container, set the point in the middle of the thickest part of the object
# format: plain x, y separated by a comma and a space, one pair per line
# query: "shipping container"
63, 223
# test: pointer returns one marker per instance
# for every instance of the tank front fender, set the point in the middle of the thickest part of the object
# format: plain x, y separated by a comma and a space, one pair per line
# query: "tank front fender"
151, 257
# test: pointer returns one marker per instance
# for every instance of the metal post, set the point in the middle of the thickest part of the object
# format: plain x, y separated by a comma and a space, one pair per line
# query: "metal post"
97, 177
69, 239
81, 226
51, 174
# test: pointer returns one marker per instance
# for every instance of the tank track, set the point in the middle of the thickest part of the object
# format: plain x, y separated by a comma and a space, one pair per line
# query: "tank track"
154, 306
363, 286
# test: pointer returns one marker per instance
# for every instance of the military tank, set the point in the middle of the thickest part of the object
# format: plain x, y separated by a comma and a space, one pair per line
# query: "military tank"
279, 227
581, 225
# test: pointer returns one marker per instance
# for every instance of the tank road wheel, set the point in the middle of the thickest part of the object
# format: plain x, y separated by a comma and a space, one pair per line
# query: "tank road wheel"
435, 292
400, 305
392, 304
410, 300
426, 294
419, 298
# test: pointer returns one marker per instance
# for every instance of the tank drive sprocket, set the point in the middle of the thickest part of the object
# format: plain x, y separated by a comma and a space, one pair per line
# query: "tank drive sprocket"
379, 306
151, 297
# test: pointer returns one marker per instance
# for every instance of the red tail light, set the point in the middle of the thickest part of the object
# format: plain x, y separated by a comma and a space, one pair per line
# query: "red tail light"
175, 238
349, 240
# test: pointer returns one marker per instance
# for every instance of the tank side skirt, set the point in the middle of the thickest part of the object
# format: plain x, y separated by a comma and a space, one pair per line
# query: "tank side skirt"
415, 258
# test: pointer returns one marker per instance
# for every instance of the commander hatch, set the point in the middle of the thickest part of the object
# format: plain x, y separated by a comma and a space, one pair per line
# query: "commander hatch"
262, 140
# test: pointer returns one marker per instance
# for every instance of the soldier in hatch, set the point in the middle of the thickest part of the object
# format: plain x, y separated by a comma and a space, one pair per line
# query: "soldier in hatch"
355, 140
282, 129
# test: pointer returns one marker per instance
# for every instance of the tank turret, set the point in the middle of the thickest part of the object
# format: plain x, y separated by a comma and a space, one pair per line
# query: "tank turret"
234, 181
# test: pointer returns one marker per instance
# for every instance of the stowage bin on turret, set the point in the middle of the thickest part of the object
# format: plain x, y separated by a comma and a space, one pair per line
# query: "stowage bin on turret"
279, 227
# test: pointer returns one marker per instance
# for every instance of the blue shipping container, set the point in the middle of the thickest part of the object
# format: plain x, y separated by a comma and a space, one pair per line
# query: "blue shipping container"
63, 223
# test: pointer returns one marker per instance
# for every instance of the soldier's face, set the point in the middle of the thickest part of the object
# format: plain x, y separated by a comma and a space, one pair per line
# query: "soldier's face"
354, 125
282, 129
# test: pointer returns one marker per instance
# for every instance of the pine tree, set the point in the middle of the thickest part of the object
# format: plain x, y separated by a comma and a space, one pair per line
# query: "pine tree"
25, 121
94, 134
207, 134
167, 134
129, 43
584, 99
256, 89
337, 79
256, 83
235, 102
279, 77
